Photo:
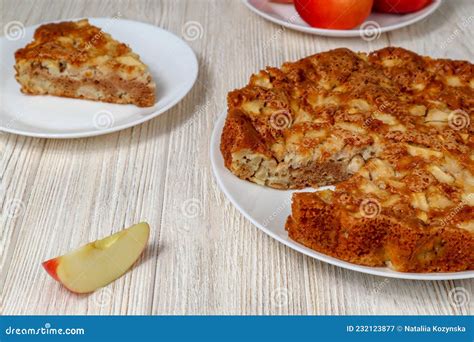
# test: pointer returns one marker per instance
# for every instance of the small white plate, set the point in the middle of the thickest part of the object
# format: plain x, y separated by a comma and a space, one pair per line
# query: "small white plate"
268, 209
377, 23
171, 61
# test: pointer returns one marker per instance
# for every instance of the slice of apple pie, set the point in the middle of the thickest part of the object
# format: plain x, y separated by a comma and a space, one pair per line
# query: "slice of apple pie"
391, 129
79, 60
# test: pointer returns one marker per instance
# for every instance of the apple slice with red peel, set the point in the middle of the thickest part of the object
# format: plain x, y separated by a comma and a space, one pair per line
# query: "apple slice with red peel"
100, 262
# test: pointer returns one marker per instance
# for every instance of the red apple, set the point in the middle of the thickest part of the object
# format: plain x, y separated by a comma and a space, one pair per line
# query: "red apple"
100, 262
400, 6
334, 14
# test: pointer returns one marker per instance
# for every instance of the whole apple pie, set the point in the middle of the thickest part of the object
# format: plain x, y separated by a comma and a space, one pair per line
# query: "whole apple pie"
390, 129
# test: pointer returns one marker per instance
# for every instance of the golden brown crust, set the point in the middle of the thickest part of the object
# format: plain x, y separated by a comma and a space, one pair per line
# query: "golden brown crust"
79, 60
239, 134
391, 129
384, 239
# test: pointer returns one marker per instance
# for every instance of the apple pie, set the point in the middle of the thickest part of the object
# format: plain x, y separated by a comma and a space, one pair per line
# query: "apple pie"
79, 60
390, 129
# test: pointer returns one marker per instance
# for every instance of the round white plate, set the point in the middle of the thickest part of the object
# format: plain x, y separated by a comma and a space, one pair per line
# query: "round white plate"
377, 23
171, 61
268, 209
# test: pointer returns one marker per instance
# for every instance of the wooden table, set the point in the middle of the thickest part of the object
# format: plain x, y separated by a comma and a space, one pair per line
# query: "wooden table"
214, 261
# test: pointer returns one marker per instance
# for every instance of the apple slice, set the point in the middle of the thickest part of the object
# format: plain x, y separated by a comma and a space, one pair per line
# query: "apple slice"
100, 262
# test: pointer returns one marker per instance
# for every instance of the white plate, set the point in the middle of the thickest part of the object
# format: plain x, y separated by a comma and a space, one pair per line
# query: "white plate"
172, 64
268, 209
377, 23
